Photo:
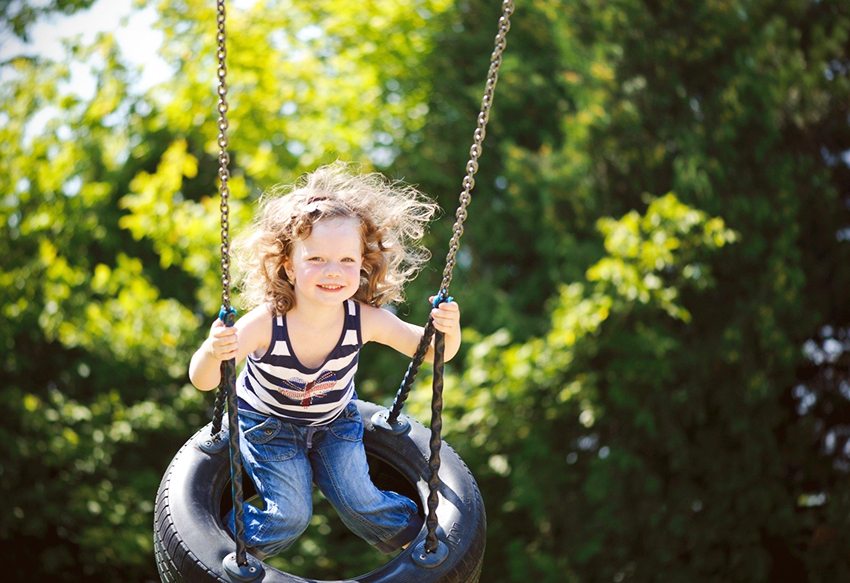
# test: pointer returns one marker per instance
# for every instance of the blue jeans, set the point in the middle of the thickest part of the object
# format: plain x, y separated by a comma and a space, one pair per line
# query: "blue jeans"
284, 460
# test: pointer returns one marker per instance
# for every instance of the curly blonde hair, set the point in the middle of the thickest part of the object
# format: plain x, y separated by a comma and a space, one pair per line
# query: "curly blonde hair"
393, 219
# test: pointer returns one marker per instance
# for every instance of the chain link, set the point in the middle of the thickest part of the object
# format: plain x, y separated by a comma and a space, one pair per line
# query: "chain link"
223, 156
478, 140
227, 388
468, 183
461, 214
451, 258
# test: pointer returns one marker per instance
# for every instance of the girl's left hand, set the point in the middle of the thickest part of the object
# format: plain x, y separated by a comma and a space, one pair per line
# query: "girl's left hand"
446, 317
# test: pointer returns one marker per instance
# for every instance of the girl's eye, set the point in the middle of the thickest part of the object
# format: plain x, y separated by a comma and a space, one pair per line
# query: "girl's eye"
348, 260
314, 259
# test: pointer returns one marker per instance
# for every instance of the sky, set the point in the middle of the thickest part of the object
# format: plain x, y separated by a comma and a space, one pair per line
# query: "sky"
134, 31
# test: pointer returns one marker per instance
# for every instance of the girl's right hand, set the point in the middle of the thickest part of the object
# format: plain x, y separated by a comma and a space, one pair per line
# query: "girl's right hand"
223, 342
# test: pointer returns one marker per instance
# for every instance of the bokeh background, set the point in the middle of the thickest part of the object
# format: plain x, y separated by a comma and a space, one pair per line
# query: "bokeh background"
654, 276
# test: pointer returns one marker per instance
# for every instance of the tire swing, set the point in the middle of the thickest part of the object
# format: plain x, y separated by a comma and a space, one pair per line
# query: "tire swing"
191, 542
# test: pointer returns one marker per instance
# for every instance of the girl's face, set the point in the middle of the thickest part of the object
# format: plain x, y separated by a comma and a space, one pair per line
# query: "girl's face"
326, 265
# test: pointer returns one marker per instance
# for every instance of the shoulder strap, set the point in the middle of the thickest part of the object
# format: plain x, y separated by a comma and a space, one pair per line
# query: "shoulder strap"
352, 319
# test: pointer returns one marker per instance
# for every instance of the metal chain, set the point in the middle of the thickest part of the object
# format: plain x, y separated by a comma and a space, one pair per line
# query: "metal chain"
476, 149
461, 214
224, 189
228, 370
227, 387
223, 157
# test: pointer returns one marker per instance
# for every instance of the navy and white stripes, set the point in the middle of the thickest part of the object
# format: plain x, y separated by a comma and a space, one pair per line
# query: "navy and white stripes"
278, 385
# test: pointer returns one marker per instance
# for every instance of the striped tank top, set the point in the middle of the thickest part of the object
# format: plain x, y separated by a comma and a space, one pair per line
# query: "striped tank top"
278, 385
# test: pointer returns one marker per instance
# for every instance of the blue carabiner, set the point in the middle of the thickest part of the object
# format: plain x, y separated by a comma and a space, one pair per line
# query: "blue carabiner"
442, 298
227, 315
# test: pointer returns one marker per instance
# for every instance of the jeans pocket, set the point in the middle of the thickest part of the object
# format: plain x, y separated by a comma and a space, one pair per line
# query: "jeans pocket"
270, 440
349, 425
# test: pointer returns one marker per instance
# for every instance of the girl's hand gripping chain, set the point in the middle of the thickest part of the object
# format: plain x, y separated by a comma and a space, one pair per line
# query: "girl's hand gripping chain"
446, 317
223, 341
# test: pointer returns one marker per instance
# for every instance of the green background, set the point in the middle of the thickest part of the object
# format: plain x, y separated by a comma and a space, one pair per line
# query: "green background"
654, 276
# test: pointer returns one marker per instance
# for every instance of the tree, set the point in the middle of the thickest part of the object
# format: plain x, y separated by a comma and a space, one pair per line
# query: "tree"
20, 16
110, 235
626, 438
656, 364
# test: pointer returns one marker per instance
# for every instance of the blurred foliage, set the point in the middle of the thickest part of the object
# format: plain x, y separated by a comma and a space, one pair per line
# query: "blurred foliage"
18, 17
654, 381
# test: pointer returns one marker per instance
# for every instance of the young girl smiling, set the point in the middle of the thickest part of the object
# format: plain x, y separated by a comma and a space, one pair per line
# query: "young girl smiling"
320, 262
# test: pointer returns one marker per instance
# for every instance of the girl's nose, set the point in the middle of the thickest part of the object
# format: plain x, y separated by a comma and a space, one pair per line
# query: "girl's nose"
332, 269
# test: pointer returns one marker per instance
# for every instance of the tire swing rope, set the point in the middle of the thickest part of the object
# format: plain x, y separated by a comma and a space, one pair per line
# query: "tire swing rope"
431, 552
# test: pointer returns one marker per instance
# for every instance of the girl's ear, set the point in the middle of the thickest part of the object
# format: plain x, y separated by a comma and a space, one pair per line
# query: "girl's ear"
290, 272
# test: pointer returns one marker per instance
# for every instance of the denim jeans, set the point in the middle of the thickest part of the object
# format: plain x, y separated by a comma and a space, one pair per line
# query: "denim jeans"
284, 460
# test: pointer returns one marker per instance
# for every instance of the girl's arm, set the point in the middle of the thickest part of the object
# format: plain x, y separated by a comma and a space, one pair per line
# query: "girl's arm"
386, 328
251, 333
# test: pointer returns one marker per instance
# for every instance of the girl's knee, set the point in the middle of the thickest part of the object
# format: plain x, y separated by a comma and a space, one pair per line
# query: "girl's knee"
300, 521
292, 518
277, 528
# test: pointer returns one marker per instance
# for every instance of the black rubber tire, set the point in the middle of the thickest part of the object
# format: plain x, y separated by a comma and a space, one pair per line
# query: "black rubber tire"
190, 541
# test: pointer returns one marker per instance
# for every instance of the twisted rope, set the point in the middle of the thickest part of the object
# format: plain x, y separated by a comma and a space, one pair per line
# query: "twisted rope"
436, 441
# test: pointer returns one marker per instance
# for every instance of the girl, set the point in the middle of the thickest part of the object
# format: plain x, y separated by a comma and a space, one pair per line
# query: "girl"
320, 262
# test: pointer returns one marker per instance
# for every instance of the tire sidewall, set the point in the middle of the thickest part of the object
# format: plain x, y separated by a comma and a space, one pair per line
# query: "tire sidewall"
191, 541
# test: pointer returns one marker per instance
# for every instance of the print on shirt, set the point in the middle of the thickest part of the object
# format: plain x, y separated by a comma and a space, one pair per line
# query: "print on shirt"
304, 391
278, 384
